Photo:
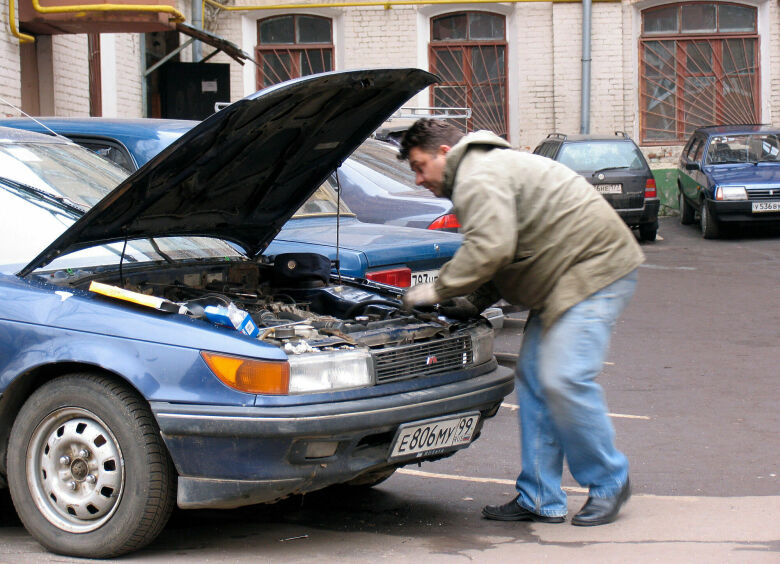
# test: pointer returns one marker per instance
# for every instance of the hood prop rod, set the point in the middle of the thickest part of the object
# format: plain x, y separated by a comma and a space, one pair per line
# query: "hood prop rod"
338, 223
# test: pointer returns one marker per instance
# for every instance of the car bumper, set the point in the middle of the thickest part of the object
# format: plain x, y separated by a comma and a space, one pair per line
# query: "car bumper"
741, 211
648, 213
233, 456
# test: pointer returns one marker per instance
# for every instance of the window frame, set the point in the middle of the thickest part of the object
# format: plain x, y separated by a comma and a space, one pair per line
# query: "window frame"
262, 49
681, 41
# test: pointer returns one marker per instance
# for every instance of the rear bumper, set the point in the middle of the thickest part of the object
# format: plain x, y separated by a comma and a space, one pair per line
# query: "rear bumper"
234, 456
648, 213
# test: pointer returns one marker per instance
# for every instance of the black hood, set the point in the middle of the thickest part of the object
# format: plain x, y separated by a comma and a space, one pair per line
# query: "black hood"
241, 173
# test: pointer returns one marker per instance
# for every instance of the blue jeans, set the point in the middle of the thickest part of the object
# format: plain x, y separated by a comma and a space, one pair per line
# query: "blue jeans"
562, 408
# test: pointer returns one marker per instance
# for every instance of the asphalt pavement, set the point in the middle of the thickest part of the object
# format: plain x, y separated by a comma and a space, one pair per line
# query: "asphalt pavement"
693, 390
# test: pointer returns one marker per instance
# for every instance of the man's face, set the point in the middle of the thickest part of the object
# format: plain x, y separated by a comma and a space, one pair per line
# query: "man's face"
428, 168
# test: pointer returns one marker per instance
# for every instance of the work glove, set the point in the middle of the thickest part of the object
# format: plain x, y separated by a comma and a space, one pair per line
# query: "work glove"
420, 295
459, 308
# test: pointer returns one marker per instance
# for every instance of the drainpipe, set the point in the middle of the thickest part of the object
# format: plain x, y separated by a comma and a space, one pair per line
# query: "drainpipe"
585, 101
197, 21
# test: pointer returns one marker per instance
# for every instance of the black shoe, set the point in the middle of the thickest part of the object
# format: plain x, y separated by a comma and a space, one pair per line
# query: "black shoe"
513, 512
602, 510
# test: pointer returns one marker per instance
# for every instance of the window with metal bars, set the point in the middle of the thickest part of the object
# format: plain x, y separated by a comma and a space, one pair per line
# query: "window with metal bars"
468, 52
291, 46
698, 66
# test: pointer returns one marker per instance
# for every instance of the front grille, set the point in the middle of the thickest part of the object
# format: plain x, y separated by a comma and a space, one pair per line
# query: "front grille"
764, 194
424, 359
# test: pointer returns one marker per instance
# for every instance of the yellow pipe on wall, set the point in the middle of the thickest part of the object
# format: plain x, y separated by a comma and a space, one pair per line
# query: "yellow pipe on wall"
23, 37
387, 4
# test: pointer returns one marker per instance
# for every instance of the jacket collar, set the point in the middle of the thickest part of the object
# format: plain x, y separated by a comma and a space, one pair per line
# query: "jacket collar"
482, 138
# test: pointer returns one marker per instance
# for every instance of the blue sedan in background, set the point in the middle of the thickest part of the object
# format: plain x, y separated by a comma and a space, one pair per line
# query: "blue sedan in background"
152, 355
730, 174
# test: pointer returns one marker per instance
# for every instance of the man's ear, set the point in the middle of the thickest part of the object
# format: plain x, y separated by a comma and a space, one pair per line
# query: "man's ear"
444, 149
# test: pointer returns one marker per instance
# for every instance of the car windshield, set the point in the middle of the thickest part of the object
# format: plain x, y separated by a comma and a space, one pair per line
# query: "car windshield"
382, 161
323, 202
49, 186
747, 148
598, 155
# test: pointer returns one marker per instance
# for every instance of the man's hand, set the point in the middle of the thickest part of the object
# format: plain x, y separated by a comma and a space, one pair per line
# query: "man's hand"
420, 295
459, 308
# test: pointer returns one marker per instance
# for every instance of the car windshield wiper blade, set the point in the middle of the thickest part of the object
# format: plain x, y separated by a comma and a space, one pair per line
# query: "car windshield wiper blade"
42, 195
595, 172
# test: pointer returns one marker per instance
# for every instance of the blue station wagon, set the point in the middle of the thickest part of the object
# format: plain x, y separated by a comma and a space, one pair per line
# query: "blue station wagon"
730, 174
152, 355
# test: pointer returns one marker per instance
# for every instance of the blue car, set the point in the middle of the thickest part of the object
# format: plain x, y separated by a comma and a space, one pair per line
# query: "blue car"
730, 174
152, 355
391, 254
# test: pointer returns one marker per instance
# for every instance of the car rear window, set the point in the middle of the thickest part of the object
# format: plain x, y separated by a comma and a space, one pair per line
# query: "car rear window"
596, 155
383, 158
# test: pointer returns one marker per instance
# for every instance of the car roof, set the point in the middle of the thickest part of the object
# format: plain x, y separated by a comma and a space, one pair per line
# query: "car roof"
110, 127
577, 137
738, 128
13, 135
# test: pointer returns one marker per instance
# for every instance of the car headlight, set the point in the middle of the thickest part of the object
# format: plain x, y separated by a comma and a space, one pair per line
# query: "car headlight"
482, 343
731, 193
334, 370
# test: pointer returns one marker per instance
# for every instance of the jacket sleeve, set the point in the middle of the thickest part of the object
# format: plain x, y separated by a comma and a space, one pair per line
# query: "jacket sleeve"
484, 203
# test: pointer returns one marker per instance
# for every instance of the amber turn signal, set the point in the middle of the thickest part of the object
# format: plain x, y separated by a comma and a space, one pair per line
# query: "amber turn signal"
250, 375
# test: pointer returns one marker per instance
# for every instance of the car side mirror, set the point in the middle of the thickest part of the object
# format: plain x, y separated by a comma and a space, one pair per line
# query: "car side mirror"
692, 166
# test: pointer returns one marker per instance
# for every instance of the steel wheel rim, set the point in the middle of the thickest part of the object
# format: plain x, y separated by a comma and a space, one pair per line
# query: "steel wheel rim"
75, 470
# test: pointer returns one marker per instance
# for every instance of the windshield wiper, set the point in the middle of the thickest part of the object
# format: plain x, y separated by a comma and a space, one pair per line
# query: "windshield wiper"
31, 192
595, 172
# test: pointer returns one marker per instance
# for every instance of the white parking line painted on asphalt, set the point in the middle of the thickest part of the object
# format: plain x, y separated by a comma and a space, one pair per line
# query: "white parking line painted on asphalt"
422, 474
514, 407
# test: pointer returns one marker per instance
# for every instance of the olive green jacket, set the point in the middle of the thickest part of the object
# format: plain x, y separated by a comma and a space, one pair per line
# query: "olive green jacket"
533, 226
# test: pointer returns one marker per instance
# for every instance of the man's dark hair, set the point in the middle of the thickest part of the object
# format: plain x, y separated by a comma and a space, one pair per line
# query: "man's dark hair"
428, 135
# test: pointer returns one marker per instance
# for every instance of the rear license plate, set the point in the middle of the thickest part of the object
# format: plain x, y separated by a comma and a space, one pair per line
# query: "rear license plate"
759, 207
609, 188
424, 276
423, 438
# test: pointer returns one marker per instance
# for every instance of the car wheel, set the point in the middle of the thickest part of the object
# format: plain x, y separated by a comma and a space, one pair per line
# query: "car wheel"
648, 231
88, 472
687, 213
371, 479
709, 225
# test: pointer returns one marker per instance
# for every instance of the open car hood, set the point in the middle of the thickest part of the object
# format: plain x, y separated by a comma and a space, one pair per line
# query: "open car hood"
242, 172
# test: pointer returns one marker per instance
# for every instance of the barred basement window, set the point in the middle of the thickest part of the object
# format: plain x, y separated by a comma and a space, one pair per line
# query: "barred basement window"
468, 51
698, 66
292, 46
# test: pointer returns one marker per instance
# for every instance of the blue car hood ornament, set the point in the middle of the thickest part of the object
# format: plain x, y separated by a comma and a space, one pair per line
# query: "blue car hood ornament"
241, 173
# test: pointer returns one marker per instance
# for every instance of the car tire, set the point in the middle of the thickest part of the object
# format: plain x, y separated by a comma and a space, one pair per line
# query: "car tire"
648, 231
371, 479
687, 213
88, 471
709, 225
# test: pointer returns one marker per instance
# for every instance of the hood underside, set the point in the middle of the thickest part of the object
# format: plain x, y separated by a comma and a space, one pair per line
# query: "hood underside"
242, 172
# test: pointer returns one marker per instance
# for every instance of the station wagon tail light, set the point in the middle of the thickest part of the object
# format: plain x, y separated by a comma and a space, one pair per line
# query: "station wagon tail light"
250, 375
727, 193
650, 189
401, 277
447, 221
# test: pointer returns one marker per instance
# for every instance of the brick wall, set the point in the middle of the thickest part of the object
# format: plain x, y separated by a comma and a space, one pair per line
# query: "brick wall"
10, 82
71, 75
375, 37
128, 73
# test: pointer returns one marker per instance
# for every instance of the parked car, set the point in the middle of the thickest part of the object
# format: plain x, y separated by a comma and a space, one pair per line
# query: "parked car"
145, 361
730, 174
375, 185
617, 169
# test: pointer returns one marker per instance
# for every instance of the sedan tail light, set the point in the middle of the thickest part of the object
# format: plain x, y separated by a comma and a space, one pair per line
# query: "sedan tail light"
650, 189
401, 277
447, 221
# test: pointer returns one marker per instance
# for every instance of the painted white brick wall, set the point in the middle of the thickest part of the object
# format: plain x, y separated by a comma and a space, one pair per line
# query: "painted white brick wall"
10, 81
375, 37
128, 75
71, 75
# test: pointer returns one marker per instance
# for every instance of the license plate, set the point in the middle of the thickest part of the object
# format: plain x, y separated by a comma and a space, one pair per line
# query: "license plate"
434, 436
759, 207
609, 188
424, 276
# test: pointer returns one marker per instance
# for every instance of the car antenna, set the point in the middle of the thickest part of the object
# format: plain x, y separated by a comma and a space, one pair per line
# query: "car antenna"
338, 223
25, 114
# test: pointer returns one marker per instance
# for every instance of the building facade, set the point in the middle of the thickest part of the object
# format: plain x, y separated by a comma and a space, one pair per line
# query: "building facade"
658, 69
